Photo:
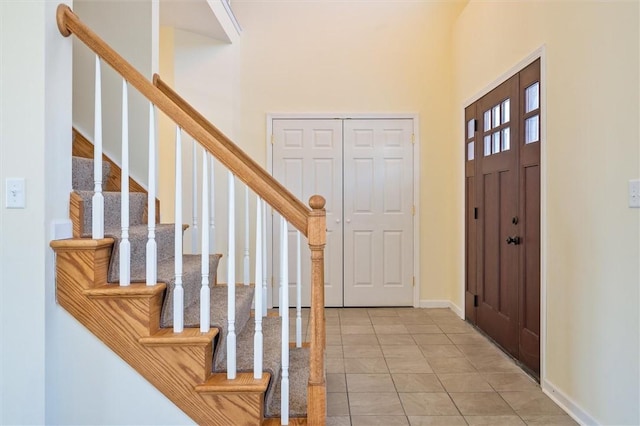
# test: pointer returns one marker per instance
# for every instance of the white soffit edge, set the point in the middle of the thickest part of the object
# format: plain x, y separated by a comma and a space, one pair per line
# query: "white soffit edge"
209, 18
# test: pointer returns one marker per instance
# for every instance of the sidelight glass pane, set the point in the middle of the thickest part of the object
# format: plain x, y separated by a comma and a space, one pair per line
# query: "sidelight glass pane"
487, 146
471, 128
506, 111
532, 97
496, 143
471, 146
487, 120
531, 129
506, 139
496, 116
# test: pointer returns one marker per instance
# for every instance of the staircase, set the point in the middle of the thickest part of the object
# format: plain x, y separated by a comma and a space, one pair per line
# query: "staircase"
135, 321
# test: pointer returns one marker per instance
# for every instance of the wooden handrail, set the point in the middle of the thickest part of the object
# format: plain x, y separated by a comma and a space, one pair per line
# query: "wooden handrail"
241, 165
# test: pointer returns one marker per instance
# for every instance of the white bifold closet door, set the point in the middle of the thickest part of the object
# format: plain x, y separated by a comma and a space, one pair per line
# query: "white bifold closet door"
364, 168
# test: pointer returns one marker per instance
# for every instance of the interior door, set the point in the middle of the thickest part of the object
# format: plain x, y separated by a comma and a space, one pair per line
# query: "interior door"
364, 169
308, 160
378, 212
502, 176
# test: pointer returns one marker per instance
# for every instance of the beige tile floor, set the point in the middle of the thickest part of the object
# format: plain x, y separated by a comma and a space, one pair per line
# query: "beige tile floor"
405, 366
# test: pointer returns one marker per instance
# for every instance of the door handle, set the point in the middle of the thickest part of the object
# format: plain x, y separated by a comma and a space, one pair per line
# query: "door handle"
513, 240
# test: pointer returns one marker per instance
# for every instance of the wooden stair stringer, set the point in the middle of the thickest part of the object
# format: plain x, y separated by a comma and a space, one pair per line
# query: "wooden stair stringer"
127, 319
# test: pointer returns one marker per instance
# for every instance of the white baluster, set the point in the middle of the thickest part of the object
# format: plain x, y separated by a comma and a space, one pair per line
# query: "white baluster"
152, 248
284, 302
257, 337
280, 284
298, 292
178, 291
212, 206
264, 258
246, 261
194, 199
231, 284
125, 244
97, 201
205, 299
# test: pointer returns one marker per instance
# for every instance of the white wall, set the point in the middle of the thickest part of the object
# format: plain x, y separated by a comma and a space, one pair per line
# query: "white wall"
23, 243
590, 237
52, 370
128, 27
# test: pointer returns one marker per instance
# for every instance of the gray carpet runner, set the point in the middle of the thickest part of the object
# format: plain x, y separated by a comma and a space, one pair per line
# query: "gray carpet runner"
191, 281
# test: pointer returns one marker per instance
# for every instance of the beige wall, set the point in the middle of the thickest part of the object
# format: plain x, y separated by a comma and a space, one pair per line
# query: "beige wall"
424, 57
347, 57
590, 236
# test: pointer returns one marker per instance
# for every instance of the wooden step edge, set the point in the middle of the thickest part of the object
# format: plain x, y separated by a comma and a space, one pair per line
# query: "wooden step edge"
137, 290
293, 421
191, 336
252, 285
244, 382
292, 345
73, 244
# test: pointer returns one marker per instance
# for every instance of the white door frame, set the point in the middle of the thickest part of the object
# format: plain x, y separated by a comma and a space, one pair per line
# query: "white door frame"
416, 174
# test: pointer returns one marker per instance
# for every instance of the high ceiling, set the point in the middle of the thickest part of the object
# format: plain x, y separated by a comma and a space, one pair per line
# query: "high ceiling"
210, 18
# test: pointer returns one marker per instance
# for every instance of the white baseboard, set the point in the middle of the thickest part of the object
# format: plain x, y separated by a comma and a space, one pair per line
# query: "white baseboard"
442, 304
567, 404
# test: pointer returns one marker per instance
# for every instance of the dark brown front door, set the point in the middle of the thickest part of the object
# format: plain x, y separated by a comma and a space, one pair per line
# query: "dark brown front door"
503, 215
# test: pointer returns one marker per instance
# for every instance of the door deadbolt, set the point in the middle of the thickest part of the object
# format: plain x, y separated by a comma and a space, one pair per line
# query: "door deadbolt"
513, 240
514, 220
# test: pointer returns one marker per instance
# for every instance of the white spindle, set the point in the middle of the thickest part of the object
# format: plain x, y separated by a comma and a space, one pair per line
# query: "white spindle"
212, 206
284, 302
264, 258
194, 199
152, 248
245, 279
178, 291
231, 284
97, 201
125, 244
298, 292
205, 299
257, 337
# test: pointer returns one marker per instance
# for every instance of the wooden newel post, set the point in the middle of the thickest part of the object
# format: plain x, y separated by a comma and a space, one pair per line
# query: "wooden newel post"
316, 388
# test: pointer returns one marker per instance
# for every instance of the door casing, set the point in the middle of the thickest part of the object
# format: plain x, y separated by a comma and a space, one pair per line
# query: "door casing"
416, 178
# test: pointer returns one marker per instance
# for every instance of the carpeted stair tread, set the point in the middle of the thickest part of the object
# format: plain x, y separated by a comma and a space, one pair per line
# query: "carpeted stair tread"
138, 235
219, 294
137, 207
298, 380
82, 173
298, 368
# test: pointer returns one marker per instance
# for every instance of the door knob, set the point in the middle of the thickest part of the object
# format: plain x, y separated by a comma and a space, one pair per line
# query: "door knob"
348, 220
337, 220
513, 240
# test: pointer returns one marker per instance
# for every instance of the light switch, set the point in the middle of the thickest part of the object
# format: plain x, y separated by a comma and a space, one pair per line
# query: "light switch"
15, 193
634, 193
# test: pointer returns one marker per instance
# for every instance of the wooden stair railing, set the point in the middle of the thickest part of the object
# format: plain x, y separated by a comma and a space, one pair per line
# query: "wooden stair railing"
310, 222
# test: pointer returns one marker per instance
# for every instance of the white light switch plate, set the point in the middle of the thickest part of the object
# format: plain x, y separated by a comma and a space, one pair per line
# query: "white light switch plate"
15, 193
634, 193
